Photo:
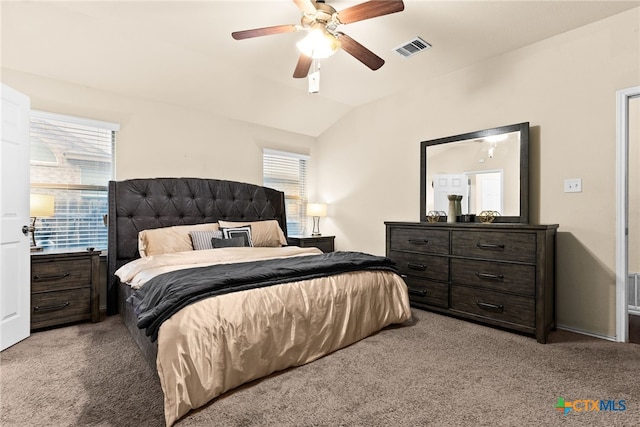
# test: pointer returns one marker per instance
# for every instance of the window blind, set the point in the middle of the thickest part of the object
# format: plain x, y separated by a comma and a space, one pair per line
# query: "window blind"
287, 172
72, 159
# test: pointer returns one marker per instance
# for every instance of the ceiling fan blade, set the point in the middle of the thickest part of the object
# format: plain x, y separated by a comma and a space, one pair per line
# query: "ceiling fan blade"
266, 31
306, 6
360, 52
302, 68
368, 10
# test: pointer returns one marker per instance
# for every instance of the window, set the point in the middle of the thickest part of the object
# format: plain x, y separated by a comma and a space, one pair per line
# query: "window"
287, 172
72, 160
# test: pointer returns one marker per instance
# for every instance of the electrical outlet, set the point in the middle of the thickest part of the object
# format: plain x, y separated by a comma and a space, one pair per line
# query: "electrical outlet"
573, 185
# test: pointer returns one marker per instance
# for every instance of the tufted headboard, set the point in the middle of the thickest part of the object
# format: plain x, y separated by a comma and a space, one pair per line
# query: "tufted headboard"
141, 204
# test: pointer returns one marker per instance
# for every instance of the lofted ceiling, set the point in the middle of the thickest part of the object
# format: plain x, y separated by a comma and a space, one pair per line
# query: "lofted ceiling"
182, 52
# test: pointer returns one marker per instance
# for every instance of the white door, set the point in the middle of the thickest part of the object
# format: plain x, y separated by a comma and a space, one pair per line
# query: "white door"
14, 215
445, 184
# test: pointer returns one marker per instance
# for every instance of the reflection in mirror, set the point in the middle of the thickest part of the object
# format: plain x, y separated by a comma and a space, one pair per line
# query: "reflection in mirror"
488, 168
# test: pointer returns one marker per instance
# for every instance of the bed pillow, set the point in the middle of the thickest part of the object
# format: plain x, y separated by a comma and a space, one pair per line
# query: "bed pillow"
202, 239
234, 242
243, 232
167, 240
263, 233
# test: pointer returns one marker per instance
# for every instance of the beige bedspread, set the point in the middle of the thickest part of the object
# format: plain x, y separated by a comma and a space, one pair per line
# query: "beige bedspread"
219, 343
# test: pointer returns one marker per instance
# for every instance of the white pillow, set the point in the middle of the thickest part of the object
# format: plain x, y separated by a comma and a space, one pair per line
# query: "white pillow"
263, 233
167, 240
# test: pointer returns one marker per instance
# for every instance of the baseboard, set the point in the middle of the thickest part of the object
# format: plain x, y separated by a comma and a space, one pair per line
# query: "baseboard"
591, 334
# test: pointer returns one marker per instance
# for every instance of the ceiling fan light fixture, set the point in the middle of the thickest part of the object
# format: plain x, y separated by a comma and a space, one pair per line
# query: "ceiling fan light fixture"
319, 44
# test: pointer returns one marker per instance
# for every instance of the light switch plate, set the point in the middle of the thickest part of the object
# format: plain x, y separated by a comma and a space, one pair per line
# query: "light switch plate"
573, 185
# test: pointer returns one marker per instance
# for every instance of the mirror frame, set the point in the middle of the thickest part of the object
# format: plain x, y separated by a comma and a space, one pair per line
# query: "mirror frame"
523, 128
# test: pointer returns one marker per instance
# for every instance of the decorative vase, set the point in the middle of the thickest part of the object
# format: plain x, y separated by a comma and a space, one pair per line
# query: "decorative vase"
458, 207
452, 213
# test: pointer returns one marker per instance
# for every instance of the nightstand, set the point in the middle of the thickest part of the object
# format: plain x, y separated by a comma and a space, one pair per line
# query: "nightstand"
324, 243
64, 287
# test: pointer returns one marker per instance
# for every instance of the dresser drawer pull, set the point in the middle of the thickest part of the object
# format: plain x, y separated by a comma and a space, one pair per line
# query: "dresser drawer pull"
419, 267
58, 277
418, 241
419, 292
487, 276
498, 308
489, 246
51, 307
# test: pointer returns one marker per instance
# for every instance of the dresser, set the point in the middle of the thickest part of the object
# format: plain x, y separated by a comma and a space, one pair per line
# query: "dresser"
324, 243
64, 287
497, 274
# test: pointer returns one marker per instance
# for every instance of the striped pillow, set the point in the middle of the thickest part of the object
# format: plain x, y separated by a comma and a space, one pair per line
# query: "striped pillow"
202, 239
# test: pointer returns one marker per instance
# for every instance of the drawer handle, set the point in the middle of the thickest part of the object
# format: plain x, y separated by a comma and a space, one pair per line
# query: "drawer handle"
51, 307
418, 241
58, 277
419, 292
419, 267
498, 308
489, 246
487, 276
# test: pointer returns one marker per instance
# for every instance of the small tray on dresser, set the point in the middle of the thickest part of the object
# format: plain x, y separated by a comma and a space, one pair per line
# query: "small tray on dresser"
64, 287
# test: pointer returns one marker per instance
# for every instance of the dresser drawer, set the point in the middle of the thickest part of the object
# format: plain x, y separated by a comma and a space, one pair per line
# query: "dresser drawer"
59, 274
52, 308
495, 245
419, 240
422, 266
494, 305
516, 278
427, 292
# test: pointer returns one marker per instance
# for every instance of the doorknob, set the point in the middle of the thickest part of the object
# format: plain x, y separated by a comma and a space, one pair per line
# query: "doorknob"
25, 230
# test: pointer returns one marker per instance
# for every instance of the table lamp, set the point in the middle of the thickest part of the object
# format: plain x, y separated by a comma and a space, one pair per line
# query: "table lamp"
316, 210
41, 205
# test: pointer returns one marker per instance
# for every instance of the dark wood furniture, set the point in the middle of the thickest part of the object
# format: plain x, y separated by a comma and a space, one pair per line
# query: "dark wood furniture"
498, 274
324, 243
64, 287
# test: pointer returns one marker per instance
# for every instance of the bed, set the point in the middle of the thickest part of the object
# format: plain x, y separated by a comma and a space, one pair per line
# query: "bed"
290, 306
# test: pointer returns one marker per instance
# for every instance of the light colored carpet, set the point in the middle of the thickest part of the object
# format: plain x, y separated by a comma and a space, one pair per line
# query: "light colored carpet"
435, 370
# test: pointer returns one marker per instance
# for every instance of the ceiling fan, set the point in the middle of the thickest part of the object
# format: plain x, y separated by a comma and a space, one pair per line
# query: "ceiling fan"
321, 21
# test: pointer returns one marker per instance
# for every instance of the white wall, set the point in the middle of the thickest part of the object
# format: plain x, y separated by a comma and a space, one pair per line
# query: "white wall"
157, 139
565, 87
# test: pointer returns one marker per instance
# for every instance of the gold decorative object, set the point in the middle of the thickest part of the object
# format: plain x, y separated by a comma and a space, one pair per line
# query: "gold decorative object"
434, 216
488, 216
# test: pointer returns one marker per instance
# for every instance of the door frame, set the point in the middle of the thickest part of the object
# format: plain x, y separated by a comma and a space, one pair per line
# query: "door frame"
622, 208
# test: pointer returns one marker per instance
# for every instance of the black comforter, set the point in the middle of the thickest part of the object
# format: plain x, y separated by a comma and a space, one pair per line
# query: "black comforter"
167, 293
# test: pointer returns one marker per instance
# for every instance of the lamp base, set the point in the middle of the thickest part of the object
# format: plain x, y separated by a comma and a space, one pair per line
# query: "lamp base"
316, 226
36, 248
316, 234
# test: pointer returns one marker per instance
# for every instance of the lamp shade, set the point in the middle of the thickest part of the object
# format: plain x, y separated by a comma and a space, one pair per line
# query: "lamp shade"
41, 205
316, 209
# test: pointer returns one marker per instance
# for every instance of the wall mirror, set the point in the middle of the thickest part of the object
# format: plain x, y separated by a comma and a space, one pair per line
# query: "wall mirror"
489, 168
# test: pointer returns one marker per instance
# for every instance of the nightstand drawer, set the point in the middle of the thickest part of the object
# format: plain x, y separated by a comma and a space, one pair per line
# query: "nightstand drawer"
502, 246
52, 308
515, 278
57, 274
416, 240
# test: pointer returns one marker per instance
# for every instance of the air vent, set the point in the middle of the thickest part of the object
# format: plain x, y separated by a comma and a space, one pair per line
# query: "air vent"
412, 47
